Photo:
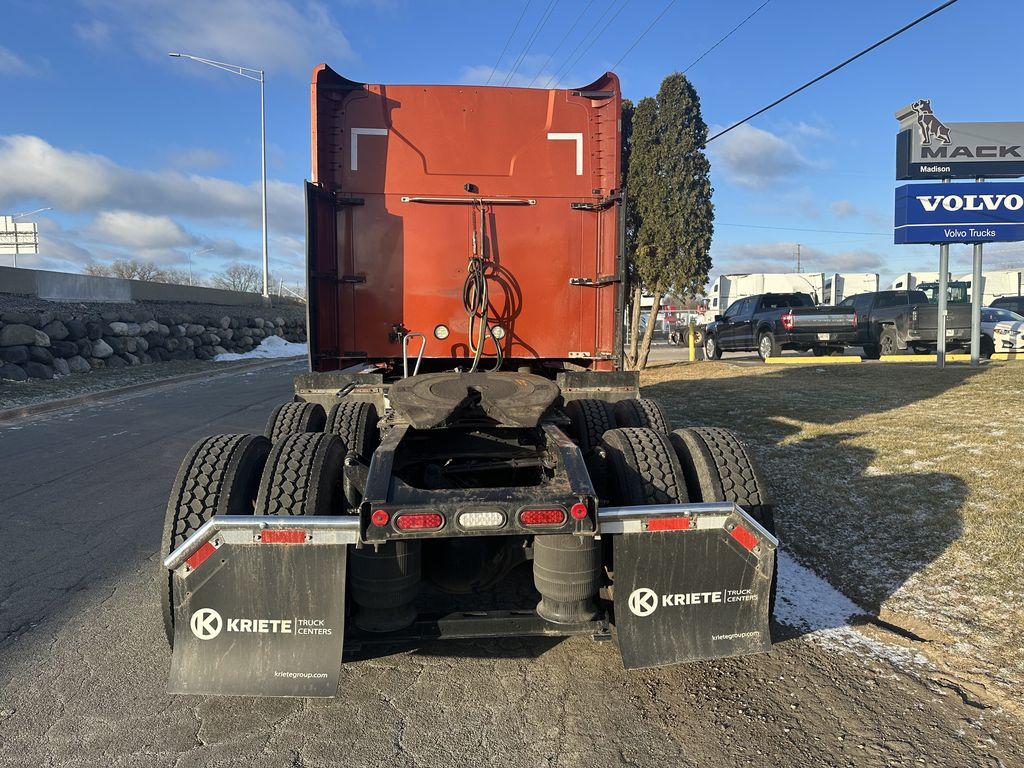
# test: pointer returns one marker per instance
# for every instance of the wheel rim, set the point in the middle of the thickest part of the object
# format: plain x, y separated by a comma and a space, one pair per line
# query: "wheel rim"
887, 346
709, 347
766, 347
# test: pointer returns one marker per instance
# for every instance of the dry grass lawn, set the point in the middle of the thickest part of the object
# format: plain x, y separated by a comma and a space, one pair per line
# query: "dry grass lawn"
901, 484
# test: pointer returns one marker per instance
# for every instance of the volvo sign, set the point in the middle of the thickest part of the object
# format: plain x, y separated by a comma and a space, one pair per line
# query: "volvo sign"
960, 213
930, 148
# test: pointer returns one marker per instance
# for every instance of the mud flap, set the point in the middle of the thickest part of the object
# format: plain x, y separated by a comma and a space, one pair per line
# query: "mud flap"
694, 592
259, 619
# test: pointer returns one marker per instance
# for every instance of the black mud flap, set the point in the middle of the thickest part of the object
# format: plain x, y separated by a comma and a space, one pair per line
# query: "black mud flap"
699, 592
260, 619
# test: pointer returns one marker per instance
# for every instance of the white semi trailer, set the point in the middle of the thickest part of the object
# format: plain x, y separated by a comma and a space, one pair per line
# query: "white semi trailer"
729, 288
995, 284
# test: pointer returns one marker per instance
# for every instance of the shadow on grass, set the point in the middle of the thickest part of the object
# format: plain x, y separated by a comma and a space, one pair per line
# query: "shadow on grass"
866, 531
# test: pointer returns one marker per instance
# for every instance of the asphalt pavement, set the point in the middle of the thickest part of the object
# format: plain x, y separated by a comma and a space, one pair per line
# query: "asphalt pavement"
84, 662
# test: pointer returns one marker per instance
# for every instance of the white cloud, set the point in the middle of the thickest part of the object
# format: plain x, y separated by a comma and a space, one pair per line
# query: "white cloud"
95, 32
34, 170
755, 158
745, 258
271, 34
12, 64
533, 70
139, 230
196, 158
843, 209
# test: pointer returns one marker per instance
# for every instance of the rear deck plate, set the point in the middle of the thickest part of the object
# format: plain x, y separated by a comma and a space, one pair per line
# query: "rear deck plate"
261, 620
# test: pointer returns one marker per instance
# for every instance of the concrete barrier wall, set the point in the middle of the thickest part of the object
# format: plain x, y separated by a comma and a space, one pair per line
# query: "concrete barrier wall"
63, 286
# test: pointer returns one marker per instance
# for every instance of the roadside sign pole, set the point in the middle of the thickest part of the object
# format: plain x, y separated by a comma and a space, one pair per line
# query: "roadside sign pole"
940, 346
977, 297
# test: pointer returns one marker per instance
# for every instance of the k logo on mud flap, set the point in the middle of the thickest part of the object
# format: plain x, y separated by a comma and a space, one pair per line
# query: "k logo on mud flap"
206, 623
643, 601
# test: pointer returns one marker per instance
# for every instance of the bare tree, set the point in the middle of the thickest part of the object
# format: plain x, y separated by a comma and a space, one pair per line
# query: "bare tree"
130, 269
173, 276
98, 270
239, 277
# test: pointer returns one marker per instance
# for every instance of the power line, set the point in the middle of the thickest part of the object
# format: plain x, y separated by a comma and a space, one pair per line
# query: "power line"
644, 33
564, 38
836, 68
557, 75
727, 36
798, 229
598, 37
509, 40
529, 43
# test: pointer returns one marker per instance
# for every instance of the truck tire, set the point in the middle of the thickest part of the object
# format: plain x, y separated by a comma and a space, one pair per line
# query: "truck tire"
718, 467
767, 345
643, 468
303, 476
711, 349
355, 424
871, 352
887, 341
294, 418
590, 420
641, 412
219, 476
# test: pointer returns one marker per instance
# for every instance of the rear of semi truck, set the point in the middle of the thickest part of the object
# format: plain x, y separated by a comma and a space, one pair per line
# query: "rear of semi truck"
465, 458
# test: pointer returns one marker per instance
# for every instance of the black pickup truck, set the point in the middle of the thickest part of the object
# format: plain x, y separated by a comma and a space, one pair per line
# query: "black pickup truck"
891, 322
772, 322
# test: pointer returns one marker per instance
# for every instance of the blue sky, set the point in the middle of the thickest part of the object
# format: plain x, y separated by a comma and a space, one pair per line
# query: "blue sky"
147, 156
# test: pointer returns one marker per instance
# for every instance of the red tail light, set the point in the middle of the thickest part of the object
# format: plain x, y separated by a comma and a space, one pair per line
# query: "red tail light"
380, 517
788, 320
855, 318
542, 516
292, 536
419, 521
746, 539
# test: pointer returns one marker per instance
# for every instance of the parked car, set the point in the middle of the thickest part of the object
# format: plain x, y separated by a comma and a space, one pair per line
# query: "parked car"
772, 322
890, 322
1012, 303
1001, 331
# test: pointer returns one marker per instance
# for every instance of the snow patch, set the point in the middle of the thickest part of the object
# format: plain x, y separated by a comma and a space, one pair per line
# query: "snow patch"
270, 347
807, 602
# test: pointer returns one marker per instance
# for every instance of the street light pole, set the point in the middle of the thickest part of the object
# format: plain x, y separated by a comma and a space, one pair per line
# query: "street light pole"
190, 255
258, 76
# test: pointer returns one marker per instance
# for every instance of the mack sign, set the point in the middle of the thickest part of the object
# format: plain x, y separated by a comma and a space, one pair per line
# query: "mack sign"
991, 212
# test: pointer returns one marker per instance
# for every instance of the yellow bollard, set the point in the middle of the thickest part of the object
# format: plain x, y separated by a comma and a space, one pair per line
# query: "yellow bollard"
689, 340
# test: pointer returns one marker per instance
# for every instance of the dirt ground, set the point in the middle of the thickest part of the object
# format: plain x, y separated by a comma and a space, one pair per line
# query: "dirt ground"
899, 483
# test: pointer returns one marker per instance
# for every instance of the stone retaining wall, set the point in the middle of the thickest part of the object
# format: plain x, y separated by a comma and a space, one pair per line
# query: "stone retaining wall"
42, 344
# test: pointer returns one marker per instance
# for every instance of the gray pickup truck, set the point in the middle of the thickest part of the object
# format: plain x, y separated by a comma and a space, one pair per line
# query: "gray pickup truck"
891, 322
772, 322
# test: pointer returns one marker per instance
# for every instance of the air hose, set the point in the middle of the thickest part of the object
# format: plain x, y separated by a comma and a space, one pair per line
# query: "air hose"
476, 301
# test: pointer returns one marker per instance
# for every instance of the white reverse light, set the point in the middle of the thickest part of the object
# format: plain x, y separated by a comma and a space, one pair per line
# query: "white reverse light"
441, 332
490, 519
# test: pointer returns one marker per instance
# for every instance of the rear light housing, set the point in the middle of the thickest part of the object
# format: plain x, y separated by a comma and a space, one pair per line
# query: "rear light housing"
855, 320
419, 521
788, 321
548, 516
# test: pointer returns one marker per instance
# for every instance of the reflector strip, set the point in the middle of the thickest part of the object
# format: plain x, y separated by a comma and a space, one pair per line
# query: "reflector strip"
492, 519
282, 536
199, 556
744, 537
418, 522
542, 516
668, 524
